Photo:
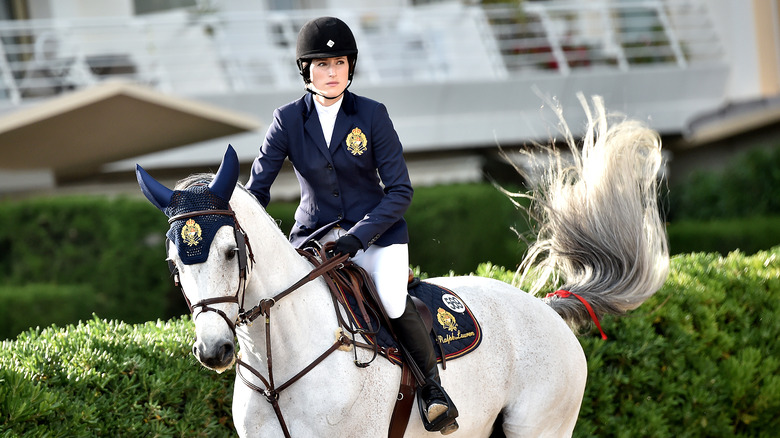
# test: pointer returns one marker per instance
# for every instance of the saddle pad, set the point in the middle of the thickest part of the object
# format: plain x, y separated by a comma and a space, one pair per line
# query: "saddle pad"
456, 331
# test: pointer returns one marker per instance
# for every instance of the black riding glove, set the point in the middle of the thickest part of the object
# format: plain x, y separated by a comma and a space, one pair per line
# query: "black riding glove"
347, 244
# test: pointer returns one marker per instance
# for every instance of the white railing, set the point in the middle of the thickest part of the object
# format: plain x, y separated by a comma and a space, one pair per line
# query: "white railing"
193, 54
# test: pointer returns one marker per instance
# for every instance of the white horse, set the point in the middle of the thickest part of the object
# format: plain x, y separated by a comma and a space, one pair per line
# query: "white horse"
600, 233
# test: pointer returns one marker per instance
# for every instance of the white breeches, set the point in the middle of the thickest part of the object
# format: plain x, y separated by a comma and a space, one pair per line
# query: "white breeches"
388, 266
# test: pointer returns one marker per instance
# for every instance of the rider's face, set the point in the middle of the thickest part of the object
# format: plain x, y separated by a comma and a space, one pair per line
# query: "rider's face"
329, 77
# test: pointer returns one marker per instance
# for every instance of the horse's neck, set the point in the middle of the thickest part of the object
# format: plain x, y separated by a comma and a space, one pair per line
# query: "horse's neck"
303, 318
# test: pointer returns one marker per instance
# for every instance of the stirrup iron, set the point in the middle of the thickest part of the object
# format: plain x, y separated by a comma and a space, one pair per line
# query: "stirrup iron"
443, 420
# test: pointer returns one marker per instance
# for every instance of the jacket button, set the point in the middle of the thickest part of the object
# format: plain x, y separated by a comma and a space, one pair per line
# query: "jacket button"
330, 166
336, 193
340, 217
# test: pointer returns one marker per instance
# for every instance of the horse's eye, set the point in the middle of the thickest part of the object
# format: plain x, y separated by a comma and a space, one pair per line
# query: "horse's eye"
231, 254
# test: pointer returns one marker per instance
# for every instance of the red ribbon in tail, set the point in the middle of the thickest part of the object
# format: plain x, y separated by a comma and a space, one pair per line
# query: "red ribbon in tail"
566, 294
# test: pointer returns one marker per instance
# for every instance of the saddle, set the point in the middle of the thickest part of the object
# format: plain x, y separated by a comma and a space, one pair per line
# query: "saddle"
454, 330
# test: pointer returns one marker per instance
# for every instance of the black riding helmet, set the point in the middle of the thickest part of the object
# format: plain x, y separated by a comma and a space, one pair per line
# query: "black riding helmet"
325, 37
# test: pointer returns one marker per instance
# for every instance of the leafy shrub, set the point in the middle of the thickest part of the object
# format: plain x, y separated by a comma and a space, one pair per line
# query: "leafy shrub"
114, 246
699, 359
106, 378
747, 187
452, 228
40, 305
749, 235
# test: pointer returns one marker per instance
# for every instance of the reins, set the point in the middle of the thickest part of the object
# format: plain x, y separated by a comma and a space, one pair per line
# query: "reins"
271, 390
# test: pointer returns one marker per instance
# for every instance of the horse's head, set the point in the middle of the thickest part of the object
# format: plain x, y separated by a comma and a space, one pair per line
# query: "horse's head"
206, 253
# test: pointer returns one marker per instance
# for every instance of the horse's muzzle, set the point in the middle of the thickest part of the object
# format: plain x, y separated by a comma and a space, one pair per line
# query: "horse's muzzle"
219, 357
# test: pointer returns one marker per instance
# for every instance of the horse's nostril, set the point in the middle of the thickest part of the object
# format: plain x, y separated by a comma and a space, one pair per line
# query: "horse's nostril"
195, 351
227, 351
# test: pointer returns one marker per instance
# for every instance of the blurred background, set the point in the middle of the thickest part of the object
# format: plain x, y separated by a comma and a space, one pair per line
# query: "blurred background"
89, 88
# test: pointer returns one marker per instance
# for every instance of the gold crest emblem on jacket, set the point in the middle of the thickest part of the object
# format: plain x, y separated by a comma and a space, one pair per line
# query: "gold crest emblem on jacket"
357, 142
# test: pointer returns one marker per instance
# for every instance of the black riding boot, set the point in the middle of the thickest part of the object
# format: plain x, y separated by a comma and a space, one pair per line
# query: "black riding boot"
415, 338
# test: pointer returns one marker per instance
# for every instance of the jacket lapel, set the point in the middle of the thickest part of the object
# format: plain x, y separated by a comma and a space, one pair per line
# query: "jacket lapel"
344, 122
314, 128
340, 131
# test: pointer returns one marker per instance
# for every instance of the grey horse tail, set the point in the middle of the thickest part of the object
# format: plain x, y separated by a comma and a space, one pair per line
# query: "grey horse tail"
600, 234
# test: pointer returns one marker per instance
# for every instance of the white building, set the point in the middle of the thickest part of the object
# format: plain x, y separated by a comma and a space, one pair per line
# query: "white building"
458, 78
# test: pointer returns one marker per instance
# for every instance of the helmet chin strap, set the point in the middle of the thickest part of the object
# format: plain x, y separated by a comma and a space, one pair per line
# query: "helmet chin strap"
306, 87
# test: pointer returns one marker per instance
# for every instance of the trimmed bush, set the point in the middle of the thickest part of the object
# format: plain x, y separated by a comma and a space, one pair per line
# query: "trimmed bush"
114, 246
747, 187
40, 305
452, 228
106, 378
749, 235
699, 359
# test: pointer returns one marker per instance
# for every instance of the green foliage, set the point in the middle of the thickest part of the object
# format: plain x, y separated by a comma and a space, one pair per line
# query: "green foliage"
112, 247
699, 359
104, 378
452, 228
40, 305
748, 187
749, 235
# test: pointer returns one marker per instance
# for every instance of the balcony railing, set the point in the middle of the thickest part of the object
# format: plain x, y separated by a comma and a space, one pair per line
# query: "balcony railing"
199, 54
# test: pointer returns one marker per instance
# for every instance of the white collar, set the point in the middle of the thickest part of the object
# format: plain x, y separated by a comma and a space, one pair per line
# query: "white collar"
328, 111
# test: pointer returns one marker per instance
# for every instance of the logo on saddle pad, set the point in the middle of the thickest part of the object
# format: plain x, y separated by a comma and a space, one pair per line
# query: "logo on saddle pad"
191, 232
446, 320
449, 322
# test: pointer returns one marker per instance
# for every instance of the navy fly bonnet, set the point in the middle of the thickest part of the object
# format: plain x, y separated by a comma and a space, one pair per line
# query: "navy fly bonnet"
193, 235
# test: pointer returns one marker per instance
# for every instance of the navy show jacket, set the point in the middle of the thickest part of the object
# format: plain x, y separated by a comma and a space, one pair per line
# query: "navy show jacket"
360, 183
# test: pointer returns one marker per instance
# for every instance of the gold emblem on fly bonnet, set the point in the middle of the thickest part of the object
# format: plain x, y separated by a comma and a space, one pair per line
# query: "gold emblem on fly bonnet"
446, 320
357, 142
191, 233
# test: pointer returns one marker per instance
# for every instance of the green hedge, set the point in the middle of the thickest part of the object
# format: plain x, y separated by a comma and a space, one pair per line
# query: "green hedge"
105, 378
40, 305
749, 235
113, 246
453, 227
748, 186
699, 359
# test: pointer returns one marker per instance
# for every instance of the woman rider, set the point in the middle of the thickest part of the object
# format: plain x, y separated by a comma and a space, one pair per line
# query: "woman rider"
354, 183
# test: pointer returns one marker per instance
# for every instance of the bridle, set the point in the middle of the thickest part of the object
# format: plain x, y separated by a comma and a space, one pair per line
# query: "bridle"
243, 251
263, 308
